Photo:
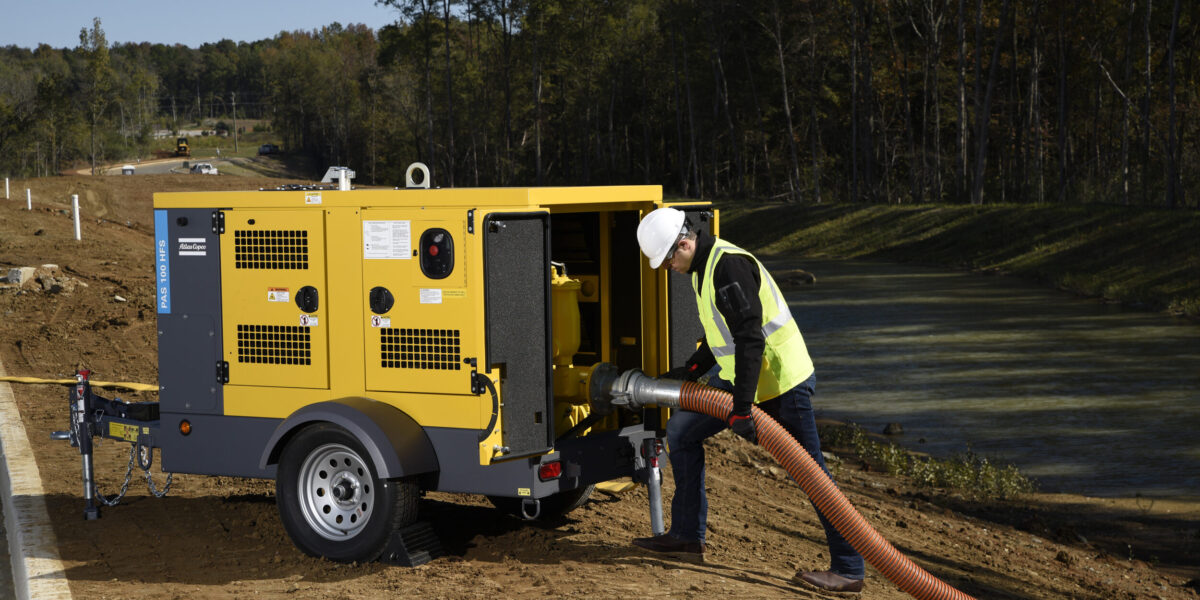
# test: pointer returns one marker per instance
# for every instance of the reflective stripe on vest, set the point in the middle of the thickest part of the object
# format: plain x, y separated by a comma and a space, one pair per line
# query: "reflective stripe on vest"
782, 318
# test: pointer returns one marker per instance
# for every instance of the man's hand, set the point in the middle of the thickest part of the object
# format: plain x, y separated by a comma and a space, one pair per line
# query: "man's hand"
684, 373
743, 425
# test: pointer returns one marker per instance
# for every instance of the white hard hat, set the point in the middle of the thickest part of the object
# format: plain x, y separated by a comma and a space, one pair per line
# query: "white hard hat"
658, 232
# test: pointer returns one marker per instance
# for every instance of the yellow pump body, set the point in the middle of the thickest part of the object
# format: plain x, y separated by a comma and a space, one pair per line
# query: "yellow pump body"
450, 332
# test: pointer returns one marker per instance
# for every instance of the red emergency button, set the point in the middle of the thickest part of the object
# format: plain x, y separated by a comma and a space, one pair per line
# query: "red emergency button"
433, 250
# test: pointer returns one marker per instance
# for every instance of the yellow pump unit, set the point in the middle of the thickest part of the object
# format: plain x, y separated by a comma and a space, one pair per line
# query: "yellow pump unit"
359, 346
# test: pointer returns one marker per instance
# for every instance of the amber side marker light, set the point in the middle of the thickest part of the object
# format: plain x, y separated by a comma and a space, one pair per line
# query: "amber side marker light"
185, 427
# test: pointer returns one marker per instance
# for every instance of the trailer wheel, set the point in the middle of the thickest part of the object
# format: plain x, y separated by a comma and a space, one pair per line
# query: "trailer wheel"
553, 506
331, 501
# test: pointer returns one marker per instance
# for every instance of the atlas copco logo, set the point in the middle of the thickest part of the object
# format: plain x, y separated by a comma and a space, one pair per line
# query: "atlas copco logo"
192, 247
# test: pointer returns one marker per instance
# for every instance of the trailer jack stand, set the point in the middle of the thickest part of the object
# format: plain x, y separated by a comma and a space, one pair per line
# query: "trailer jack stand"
94, 416
651, 474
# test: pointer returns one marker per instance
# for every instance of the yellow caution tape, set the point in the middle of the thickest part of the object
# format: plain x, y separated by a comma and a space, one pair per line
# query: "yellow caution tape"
124, 385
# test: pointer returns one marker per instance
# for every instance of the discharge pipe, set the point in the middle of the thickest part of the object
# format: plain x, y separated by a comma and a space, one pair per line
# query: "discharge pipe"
634, 389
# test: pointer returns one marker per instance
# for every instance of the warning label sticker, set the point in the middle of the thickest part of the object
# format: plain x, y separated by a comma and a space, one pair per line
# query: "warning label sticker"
278, 295
312, 197
388, 240
128, 433
308, 321
431, 296
378, 321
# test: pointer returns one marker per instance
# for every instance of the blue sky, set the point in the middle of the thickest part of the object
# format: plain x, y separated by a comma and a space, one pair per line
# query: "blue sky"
27, 23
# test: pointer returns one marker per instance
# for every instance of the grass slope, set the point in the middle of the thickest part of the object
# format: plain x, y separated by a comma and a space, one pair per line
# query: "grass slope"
1137, 256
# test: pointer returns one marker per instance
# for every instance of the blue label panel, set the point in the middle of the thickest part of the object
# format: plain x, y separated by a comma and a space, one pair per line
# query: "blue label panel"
162, 262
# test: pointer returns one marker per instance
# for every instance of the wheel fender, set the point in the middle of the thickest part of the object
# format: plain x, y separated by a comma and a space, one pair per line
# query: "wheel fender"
397, 445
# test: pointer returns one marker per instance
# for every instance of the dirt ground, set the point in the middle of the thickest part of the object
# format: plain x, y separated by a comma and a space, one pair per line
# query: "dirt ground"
220, 537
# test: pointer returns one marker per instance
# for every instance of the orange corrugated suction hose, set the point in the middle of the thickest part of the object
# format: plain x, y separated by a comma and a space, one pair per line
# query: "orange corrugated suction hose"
898, 569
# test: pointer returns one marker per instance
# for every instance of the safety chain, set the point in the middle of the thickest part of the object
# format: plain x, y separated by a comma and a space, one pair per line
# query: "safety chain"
115, 500
145, 460
154, 490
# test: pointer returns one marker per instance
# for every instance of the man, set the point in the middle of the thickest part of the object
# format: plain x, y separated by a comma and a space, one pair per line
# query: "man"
753, 349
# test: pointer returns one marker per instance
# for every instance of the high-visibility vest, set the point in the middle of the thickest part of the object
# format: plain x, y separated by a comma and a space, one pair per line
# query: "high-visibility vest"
785, 362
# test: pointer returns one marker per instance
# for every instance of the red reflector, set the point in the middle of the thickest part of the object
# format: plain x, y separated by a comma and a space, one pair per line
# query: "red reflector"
550, 471
433, 250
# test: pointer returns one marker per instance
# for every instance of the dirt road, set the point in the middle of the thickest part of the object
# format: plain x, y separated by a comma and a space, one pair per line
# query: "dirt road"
221, 537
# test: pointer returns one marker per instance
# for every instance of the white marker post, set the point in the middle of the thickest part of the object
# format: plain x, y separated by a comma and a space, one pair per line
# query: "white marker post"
28, 200
75, 209
6, 188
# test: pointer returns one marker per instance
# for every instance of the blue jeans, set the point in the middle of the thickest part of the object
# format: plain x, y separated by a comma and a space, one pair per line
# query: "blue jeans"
686, 432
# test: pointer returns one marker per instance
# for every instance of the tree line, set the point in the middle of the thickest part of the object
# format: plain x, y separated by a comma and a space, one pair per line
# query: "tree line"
901, 101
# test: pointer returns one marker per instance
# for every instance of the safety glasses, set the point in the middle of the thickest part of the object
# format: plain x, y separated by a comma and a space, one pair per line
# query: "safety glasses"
675, 246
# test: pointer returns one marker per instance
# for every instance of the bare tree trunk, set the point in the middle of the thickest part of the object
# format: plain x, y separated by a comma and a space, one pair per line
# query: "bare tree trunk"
867, 100
428, 58
1128, 109
1064, 151
762, 139
932, 61
983, 115
449, 97
92, 135
977, 101
854, 195
961, 170
1016, 124
645, 118
816, 79
682, 162
612, 132
1035, 116
693, 155
794, 166
537, 103
1172, 126
506, 27
914, 170
723, 93
1146, 114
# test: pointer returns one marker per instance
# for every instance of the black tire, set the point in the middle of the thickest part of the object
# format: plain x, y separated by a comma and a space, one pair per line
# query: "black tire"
331, 500
553, 507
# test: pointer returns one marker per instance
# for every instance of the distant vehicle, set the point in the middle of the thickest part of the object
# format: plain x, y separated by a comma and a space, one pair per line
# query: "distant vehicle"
268, 149
181, 147
127, 170
203, 169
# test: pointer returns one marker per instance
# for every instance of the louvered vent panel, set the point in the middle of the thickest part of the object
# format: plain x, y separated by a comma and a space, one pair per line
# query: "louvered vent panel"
274, 344
271, 249
429, 349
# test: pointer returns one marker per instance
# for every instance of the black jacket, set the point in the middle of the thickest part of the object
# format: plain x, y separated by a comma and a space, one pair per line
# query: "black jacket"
737, 281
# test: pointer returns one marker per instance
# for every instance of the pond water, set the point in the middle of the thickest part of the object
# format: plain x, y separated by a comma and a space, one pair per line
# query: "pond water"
1085, 397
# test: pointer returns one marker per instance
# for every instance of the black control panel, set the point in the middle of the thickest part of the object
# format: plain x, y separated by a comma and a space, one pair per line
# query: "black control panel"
437, 253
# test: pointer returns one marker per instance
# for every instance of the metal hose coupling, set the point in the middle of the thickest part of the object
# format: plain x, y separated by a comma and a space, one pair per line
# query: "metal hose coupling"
634, 389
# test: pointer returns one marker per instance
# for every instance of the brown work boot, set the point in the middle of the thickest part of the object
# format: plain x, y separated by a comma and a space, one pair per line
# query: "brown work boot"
672, 546
828, 581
